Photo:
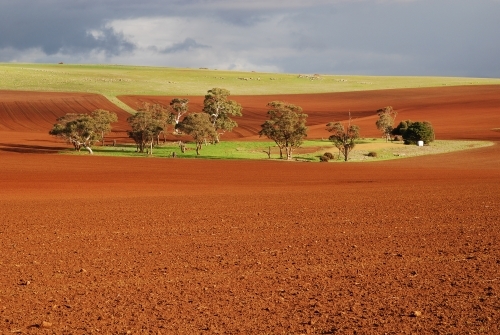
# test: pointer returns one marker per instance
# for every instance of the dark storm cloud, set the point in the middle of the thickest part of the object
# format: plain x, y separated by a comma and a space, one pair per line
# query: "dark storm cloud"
63, 26
55, 26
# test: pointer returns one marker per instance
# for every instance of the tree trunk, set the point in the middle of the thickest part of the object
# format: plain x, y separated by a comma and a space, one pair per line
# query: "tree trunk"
268, 152
89, 149
289, 153
346, 153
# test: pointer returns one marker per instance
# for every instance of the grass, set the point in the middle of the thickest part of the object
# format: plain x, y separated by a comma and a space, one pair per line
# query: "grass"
115, 80
310, 151
398, 150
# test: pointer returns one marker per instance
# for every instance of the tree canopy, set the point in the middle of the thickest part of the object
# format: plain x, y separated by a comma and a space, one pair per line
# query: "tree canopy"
419, 131
343, 138
103, 120
145, 128
286, 126
385, 122
162, 115
150, 121
83, 130
198, 126
179, 108
414, 131
220, 109
401, 127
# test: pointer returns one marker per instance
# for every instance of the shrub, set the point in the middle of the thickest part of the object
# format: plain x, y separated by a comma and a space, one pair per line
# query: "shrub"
372, 154
398, 138
324, 159
419, 131
401, 128
329, 155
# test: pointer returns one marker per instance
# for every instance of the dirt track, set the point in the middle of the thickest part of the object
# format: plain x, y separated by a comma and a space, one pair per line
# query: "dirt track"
172, 246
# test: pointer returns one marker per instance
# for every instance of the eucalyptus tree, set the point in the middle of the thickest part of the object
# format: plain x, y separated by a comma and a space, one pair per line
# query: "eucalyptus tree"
145, 128
103, 120
162, 115
343, 138
286, 126
385, 121
220, 110
179, 107
198, 126
83, 130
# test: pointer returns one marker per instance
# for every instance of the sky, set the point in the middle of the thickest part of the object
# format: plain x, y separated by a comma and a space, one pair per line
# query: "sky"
358, 37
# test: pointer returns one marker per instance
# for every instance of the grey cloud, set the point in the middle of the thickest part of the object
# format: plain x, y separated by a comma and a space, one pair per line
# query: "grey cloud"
54, 27
187, 45
246, 18
109, 41
390, 37
429, 37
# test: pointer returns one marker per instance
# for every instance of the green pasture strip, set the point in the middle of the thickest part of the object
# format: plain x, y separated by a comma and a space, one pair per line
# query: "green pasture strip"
398, 150
120, 104
309, 151
222, 150
115, 80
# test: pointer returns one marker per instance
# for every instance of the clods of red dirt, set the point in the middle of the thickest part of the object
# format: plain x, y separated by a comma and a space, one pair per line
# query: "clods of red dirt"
172, 246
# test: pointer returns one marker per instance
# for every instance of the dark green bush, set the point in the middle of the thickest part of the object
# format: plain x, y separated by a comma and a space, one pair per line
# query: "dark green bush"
398, 138
401, 128
329, 155
419, 131
324, 159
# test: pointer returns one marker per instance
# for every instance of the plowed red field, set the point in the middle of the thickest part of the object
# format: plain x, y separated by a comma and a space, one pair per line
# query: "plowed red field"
27, 117
93, 245
455, 112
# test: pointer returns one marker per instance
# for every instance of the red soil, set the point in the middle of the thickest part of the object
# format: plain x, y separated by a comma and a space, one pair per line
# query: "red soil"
177, 246
468, 112
26, 118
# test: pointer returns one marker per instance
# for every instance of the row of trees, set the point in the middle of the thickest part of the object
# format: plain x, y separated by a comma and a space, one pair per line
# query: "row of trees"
286, 125
287, 128
153, 120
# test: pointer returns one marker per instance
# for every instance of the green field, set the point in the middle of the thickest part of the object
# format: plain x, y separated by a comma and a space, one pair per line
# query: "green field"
114, 80
309, 152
